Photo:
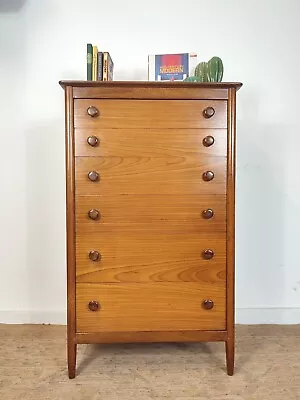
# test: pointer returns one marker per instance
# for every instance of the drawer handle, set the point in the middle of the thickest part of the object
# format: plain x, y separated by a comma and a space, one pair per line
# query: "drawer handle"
208, 141
93, 141
208, 112
208, 304
93, 111
208, 176
94, 305
94, 214
208, 254
94, 255
207, 214
93, 176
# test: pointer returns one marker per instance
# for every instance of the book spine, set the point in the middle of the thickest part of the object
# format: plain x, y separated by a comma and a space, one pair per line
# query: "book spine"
95, 63
89, 61
105, 66
110, 68
100, 66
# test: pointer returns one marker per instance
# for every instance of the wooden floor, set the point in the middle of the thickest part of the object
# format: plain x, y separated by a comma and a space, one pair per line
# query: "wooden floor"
33, 367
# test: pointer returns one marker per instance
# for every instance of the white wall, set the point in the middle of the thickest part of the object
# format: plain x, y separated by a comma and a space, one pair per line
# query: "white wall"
42, 42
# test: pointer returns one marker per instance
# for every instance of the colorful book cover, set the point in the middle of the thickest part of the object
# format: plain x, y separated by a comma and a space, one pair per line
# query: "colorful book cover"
108, 67
100, 66
95, 63
89, 61
171, 67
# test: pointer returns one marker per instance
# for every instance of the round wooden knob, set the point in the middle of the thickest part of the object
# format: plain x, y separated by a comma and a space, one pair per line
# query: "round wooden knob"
208, 304
208, 254
93, 176
93, 141
92, 111
94, 255
208, 176
208, 112
208, 141
207, 214
94, 305
94, 214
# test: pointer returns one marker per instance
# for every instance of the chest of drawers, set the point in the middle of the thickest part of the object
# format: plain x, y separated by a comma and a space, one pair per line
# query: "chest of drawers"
150, 170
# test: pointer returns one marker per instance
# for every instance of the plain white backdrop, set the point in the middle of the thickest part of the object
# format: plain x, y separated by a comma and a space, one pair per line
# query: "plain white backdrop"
42, 42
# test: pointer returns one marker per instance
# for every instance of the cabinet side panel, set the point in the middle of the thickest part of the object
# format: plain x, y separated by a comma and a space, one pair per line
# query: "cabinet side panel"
231, 213
70, 212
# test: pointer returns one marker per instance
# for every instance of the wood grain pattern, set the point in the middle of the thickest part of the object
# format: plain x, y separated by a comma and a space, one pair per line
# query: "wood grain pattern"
150, 307
141, 270
150, 90
98, 229
146, 175
70, 218
109, 270
157, 336
156, 208
155, 85
142, 114
152, 255
150, 143
158, 93
230, 293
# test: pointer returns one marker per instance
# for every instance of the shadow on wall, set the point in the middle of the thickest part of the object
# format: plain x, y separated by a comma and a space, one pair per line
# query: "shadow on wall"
11, 5
260, 205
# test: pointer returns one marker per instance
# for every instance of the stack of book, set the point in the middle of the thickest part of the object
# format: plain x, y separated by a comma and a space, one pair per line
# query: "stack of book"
100, 66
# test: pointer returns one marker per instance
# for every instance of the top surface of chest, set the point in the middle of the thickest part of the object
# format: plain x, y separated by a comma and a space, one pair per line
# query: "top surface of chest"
150, 90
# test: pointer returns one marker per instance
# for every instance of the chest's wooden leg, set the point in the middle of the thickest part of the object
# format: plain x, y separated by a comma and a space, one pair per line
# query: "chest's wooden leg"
230, 355
72, 353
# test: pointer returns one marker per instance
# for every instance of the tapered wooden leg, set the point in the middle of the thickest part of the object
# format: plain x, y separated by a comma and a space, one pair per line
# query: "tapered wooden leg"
230, 356
72, 353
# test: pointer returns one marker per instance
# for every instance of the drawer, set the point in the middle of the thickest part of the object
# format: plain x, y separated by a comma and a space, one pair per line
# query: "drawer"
150, 307
150, 255
151, 209
150, 114
147, 175
200, 227
150, 142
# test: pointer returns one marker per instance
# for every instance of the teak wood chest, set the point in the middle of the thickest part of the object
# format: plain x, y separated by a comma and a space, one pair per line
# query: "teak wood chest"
150, 176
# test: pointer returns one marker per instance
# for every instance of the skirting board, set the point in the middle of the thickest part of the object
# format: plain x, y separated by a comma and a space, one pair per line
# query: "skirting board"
244, 316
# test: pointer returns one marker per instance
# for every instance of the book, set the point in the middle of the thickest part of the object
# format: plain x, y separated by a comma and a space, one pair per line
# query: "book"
89, 61
171, 67
100, 66
108, 67
95, 63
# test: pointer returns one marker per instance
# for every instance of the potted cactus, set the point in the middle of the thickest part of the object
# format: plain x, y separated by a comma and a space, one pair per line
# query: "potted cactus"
215, 69
211, 71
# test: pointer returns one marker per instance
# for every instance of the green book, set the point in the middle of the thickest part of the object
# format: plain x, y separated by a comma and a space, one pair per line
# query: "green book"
89, 61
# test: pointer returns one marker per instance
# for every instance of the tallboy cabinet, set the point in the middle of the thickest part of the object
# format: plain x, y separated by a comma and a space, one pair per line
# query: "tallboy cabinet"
150, 173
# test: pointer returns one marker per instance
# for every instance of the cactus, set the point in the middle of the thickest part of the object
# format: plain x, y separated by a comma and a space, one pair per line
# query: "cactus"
201, 71
215, 69
192, 79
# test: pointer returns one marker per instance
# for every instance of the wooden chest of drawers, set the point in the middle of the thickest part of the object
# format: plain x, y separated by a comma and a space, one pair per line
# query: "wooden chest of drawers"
150, 212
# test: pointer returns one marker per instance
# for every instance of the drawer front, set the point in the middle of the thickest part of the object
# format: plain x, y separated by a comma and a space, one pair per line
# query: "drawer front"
151, 209
150, 142
146, 175
150, 114
152, 254
149, 307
